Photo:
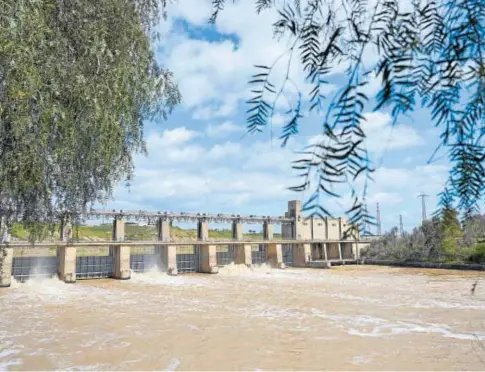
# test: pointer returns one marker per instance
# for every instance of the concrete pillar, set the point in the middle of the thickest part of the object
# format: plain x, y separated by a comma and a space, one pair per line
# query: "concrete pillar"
275, 256
118, 229
121, 262
340, 251
65, 232
237, 230
301, 255
243, 254
6, 255
120, 254
267, 231
294, 210
66, 264
325, 254
163, 230
355, 250
208, 259
4, 230
167, 260
6, 261
202, 230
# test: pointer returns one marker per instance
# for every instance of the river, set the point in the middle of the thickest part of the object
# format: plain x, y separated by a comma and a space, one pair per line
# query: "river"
346, 318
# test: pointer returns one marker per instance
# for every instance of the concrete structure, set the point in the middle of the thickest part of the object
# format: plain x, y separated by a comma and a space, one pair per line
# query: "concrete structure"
341, 238
167, 258
6, 266
275, 256
237, 230
66, 268
163, 230
267, 231
243, 254
208, 259
202, 230
120, 253
305, 242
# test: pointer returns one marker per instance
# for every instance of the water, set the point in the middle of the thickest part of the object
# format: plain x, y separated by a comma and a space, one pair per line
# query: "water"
352, 318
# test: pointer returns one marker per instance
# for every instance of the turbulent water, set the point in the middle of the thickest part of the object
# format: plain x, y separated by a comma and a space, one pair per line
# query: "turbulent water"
352, 318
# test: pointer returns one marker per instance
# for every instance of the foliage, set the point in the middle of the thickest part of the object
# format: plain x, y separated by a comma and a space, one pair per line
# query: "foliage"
442, 239
77, 80
429, 54
478, 255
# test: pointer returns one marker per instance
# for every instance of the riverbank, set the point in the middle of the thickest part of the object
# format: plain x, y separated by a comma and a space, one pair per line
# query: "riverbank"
424, 265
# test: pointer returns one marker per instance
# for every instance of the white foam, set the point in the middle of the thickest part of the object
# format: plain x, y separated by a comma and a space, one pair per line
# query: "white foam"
243, 270
173, 365
386, 328
157, 277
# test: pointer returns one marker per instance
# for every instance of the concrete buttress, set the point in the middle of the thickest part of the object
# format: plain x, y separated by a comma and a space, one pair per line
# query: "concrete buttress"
275, 256
243, 254
6, 269
301, 255
120, 254
208, 259
167, 260
66, 268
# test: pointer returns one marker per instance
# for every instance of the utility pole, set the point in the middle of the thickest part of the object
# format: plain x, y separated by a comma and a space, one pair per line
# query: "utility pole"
423, 196
401, 229
378, 220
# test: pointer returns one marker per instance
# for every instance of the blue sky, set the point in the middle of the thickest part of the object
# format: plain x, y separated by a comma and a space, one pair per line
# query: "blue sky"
201, 159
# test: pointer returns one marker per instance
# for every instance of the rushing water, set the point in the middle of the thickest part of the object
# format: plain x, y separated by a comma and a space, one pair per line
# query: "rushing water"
352, 318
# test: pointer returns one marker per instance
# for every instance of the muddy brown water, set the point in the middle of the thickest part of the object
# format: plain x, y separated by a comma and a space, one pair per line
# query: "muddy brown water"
346, 318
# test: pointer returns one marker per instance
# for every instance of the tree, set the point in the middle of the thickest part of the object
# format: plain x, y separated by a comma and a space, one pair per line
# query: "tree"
77, 80
429, 54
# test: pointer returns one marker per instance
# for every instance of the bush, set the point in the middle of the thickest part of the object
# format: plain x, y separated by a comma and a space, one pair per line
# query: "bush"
478, 256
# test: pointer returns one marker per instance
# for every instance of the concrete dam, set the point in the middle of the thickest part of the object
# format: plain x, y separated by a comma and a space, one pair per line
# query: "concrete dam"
304, 242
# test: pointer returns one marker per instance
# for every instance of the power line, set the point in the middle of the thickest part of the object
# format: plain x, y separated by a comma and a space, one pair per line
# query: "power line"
378, 220
423, 196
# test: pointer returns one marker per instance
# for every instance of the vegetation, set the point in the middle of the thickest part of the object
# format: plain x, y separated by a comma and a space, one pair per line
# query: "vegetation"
442, 239
428, 54
132, 232
77, 80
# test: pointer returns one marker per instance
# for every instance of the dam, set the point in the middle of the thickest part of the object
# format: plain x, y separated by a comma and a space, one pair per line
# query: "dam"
304, 242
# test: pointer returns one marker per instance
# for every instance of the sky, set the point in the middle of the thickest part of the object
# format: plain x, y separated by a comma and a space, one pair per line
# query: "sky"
202, 159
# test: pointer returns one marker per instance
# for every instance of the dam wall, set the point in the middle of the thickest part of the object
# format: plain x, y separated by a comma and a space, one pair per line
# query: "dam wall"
305, 242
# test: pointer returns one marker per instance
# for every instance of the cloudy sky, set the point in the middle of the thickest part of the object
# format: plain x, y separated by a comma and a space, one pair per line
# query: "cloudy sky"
202, 160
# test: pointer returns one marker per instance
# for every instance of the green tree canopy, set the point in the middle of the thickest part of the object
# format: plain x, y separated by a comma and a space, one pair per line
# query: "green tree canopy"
77, 80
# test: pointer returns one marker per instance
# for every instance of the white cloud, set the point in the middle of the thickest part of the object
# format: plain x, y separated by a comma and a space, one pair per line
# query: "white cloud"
225, 150
224, 129
225, 174
278, 120
171, 137
381, 135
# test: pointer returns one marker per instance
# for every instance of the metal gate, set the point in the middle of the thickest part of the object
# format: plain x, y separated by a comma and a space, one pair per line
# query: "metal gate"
287, 254
187, 259
225, 254
259, 253
24, 268
96, 263
142, 259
